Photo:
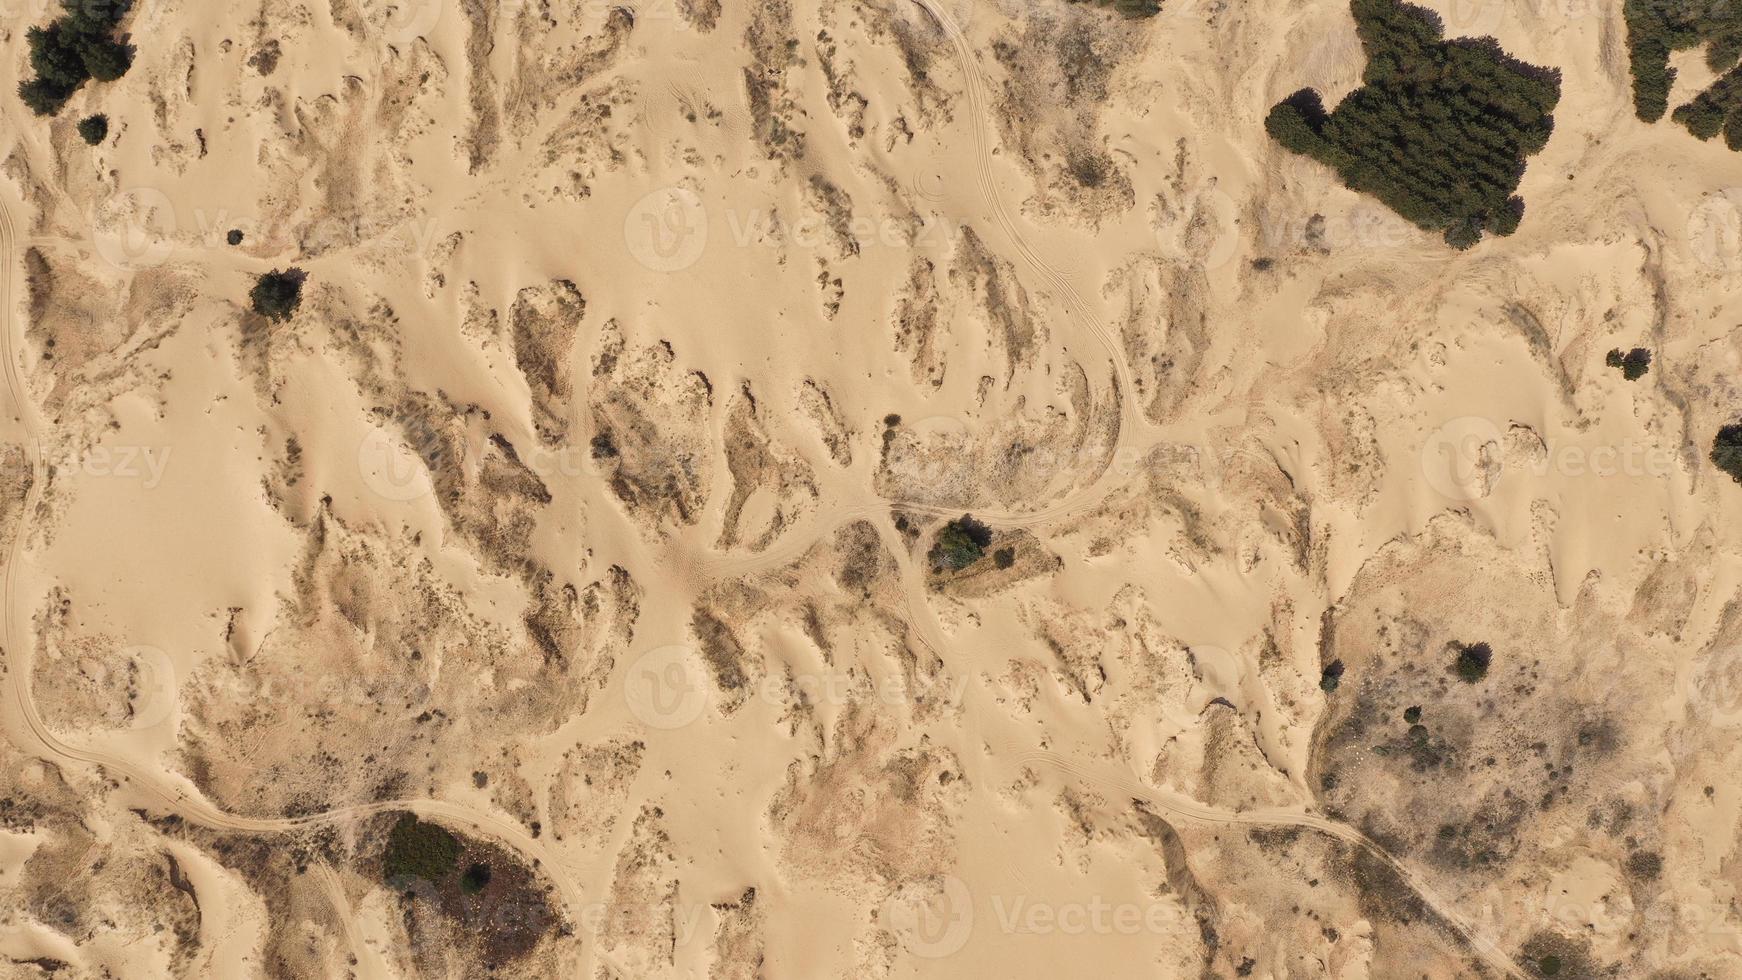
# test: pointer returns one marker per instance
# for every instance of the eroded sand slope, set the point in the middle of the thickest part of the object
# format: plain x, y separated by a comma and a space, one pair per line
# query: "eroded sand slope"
584, 506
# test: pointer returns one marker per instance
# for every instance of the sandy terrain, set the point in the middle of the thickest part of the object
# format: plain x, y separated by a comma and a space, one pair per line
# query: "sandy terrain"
576, 537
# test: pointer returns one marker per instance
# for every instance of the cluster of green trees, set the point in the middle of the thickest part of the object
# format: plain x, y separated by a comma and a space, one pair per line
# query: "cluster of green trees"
1633, 364
1439, 131
1657, 28
78, 46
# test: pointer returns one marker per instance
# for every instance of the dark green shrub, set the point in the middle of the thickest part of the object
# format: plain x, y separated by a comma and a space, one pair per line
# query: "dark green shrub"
418, 850
94, 129
1331, 677
234, 237
475, 878
1412, 714
78, 46
1439, 131
1727, 451
277, 294
961, 543
1633, 365
1473, 660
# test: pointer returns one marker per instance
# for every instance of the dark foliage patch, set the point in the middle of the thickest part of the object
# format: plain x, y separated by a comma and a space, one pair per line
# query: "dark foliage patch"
76, 47
277, 294
1727, 451
1134, 9
1657, 28
1633, 364
1440, 130
961, 543
94, 129
1473, 660
418, 851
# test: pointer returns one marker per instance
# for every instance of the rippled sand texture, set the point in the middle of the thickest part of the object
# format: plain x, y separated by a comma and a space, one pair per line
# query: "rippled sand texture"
583, 510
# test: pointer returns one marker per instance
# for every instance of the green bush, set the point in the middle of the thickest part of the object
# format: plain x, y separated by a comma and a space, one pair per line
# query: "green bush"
1331, 677
1439, 131
476, 877
277, 294
78, 46
1633, 365
961, 543
418, 850
94, 129
1727, 451
1473, 660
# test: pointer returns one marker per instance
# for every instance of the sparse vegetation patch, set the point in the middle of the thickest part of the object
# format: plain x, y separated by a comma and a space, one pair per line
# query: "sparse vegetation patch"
1134, 9
1472, 663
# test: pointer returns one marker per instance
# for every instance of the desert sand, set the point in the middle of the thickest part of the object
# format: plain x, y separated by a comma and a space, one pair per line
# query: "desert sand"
584, 509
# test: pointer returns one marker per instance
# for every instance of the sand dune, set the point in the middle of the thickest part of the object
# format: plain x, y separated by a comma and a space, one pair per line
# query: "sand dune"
578, 582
